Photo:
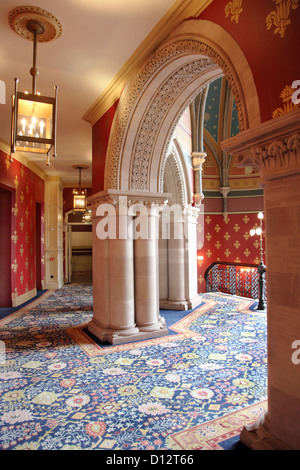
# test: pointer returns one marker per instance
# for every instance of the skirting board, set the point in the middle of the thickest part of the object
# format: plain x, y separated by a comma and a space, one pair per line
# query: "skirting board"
21, 299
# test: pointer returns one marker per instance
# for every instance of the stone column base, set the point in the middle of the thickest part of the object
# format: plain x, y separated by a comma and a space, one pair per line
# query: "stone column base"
258, 436
188, 304
115, 337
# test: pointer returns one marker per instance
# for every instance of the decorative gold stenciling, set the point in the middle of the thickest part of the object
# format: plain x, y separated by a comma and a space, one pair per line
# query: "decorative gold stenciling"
15, 210
280, 17
7, 162
235, 8
14, 266
14, 237
288, 105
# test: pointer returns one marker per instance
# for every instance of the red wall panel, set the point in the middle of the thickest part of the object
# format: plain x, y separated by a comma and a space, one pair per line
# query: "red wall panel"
228, 240
5, 247
100, 137
273, 59
28, 189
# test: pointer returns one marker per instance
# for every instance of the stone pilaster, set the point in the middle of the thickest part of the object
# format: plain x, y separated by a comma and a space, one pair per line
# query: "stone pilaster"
53, 234
274, 149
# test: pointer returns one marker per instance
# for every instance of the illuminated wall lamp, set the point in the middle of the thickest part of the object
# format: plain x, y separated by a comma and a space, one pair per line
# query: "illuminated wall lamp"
34, 117
261, 267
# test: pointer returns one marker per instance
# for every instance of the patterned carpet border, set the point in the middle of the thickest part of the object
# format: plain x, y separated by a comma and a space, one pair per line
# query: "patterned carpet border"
182, 328
210, 435
23, 310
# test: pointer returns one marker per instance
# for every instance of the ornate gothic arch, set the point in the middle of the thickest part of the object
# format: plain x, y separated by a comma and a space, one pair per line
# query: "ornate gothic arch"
178, 175
195, 54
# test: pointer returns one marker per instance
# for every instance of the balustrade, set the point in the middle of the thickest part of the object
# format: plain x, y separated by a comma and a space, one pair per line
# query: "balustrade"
240, 279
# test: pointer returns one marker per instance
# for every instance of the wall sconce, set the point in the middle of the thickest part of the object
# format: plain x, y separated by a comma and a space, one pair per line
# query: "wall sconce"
34, 117
79, 194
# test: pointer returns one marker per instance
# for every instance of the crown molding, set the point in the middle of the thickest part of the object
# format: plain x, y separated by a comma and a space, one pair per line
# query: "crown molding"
180, 11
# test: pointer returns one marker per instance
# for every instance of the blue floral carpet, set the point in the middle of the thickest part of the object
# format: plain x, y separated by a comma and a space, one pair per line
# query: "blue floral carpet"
61, 389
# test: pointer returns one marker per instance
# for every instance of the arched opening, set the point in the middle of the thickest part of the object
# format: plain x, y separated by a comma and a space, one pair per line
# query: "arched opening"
138, 157
197, 53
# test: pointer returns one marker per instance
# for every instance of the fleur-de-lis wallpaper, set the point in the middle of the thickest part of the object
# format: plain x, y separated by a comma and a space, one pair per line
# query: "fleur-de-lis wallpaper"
27, 189
280, 18
267, 32
235, 9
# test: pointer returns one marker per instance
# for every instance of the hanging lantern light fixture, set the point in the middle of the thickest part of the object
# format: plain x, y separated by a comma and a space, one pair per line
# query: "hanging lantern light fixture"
34, 117
80, 194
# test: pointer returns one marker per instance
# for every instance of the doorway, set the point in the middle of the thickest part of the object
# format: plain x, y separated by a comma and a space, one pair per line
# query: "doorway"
5, 247
78, 249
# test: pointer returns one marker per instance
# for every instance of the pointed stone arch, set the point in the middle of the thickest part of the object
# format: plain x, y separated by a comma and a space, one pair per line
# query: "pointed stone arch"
176, 175
196, 53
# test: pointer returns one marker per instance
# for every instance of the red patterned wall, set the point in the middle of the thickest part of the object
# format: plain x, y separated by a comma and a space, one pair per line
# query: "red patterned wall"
100, 137
268, 33
226, 240
27, 189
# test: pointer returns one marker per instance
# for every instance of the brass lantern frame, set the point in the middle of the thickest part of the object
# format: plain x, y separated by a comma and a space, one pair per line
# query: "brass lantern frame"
22, 139
79, 194
37, 25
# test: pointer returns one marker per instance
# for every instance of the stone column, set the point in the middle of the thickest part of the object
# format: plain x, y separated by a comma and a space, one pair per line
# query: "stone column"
176, 264
224, 190
274, 149
198, 158
146, 271
113, 271
191, 215
125, 269
53, 233
181, 257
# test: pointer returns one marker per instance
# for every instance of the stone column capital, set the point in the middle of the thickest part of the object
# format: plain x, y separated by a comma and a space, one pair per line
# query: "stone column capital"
191, 214
273, 148
198, 158
224, 190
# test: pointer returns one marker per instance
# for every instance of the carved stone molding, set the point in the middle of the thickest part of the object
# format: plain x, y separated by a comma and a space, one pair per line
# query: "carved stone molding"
273, 149
153, 118
158, 105
118, 198
179, 181
198, 158
278, 158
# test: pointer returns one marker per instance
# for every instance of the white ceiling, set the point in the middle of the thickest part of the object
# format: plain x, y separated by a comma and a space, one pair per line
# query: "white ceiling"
98, 37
